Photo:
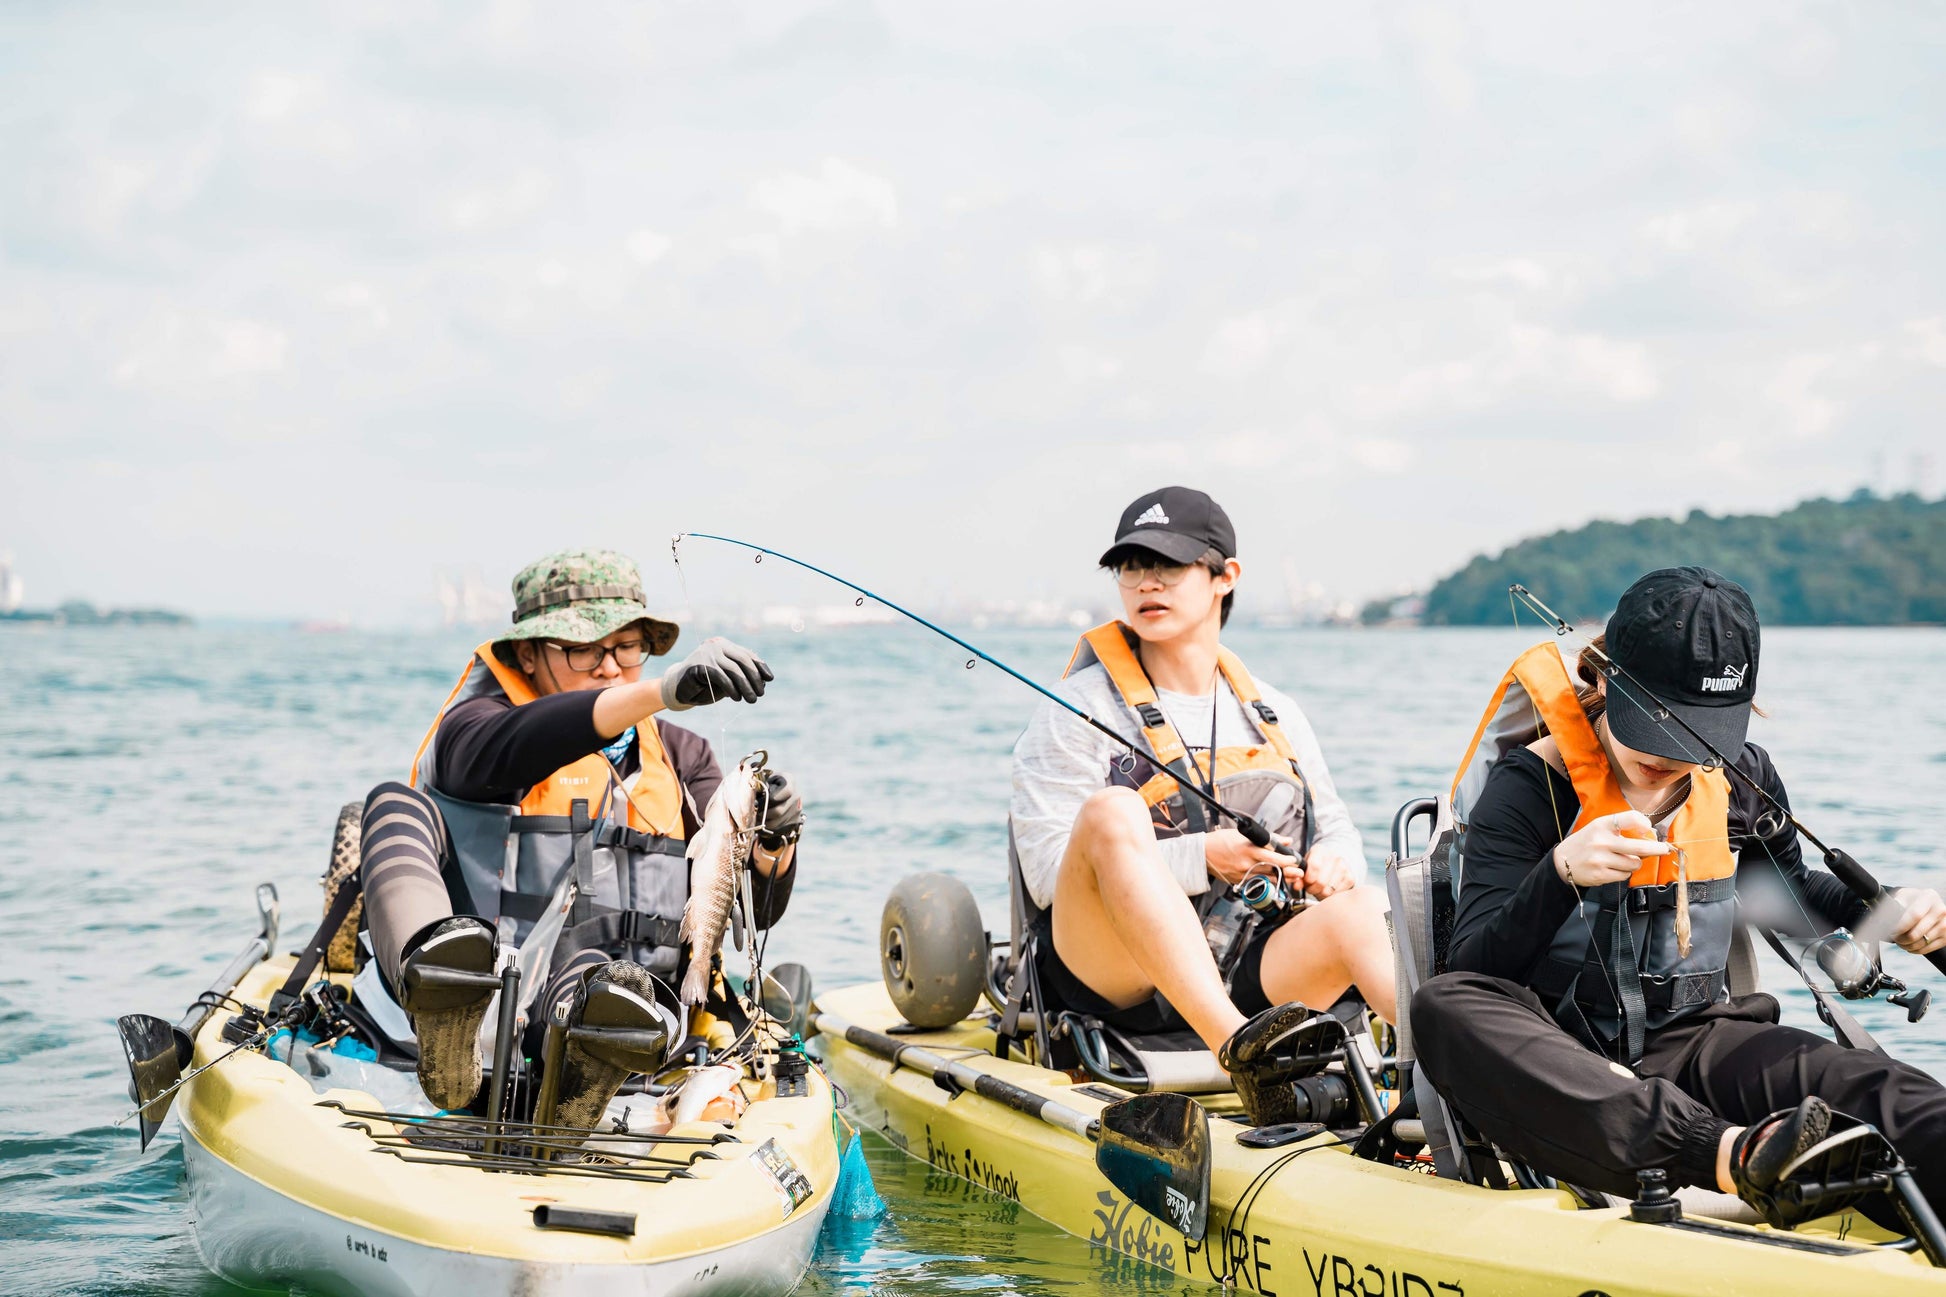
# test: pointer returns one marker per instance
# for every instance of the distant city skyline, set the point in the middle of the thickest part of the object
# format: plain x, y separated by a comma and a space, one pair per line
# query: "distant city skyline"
307, 310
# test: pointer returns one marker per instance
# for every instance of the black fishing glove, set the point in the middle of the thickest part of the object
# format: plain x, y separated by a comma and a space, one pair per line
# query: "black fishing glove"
717, 670
784, 818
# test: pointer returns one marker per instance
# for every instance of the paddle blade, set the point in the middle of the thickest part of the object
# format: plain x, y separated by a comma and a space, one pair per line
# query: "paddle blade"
156, 1053
1155, 1148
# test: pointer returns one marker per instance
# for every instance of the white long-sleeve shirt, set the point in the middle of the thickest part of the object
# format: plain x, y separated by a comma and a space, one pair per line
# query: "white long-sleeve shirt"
1060, 760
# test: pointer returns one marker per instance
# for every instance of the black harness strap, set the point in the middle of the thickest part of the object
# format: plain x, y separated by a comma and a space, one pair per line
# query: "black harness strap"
584, 863
335, 915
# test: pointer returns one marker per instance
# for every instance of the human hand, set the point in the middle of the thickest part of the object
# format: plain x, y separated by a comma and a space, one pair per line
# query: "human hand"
1921, 928
1605, 851
1231, 858
1327, 873
717, 670
784, 811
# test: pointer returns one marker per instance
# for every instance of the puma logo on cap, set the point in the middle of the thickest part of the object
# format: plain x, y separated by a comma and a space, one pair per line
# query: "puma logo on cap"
1729, 682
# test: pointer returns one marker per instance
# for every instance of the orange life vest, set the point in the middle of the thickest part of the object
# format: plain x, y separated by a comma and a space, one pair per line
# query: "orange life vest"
1230, 768
1617, 966
653, 796
1539, 680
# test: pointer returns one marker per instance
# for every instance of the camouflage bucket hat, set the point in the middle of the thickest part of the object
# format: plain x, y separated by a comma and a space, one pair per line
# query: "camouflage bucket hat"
580, 595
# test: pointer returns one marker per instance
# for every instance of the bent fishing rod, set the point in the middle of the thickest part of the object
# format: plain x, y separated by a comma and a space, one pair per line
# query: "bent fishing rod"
1253, 830
1840, 862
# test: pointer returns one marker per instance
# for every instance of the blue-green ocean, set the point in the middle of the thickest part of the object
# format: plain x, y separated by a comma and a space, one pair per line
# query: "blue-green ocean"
148, 778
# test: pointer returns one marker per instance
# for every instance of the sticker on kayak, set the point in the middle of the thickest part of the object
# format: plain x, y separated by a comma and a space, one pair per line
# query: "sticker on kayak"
792, 1186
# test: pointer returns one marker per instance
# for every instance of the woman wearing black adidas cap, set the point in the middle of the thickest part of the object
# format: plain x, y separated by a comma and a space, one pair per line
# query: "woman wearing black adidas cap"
1132, 871
1593, 1047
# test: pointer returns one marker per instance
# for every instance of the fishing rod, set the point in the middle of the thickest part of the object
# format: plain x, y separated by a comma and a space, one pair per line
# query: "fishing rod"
1840, 862
1253, 830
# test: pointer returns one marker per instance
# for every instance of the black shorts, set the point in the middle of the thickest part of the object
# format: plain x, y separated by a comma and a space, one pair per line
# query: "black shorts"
1064, 989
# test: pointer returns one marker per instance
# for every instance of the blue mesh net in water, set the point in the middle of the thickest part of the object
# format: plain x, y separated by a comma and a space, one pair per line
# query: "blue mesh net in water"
856, 1197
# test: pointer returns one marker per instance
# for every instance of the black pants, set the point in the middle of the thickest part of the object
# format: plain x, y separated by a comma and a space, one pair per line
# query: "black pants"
1499, 1057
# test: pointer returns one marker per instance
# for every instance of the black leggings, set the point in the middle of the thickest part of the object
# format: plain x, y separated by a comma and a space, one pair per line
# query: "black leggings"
1500, 1058
404, 858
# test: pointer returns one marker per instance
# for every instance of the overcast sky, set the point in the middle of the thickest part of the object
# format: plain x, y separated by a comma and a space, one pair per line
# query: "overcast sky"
300, 305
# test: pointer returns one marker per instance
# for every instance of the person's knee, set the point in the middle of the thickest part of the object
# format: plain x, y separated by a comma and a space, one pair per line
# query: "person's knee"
1440, 1011
1112, 817
392, 790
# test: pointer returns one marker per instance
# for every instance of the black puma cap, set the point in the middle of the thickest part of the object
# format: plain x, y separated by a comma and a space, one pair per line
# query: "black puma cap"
1176, 522
1686, 639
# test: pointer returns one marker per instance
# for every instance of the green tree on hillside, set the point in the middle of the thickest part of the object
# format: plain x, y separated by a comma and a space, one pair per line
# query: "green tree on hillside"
1865, 561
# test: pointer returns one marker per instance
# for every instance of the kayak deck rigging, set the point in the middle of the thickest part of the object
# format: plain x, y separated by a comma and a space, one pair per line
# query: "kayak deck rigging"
519, 1146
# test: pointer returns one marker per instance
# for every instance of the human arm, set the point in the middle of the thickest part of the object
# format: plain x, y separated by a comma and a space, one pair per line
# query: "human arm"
1336, 860
488, 750
1918, 925
1512, 897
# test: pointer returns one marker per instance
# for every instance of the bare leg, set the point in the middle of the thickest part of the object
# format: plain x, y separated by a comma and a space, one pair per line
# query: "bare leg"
1121, 916
1338, 942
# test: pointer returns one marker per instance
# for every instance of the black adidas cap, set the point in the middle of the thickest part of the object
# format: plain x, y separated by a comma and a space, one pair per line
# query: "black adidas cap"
1178, 523
1689, 637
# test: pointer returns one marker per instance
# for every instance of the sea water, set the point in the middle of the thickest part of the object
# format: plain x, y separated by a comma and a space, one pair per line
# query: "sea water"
149, 778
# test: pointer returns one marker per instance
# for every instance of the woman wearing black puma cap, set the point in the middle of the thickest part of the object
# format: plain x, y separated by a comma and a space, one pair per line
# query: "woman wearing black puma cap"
1593, 1047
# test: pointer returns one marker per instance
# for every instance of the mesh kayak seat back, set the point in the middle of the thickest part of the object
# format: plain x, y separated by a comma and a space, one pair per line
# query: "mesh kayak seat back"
1424, 890
1052, 1035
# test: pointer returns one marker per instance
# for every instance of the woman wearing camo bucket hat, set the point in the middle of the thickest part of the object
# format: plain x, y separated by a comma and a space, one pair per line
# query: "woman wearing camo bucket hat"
549, 759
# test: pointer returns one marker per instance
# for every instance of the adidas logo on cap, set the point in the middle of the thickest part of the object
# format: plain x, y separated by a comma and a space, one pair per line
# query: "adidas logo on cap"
1152, 517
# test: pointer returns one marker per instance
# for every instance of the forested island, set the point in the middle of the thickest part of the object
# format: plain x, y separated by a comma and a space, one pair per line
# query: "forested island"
1865, 561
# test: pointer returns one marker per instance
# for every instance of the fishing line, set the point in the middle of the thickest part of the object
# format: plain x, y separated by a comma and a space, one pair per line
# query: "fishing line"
1554, 810
1253, 830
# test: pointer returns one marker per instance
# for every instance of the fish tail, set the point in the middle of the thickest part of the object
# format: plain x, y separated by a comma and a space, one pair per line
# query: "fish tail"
695, 983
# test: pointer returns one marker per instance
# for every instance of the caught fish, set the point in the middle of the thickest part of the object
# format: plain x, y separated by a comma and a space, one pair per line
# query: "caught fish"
717, 859
709, 1094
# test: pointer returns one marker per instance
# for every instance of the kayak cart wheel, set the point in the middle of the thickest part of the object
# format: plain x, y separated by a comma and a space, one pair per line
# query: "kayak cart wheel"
932, 949
347, 837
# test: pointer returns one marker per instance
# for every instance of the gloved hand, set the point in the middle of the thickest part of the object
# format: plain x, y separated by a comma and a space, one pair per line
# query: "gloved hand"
784, 816
717, 670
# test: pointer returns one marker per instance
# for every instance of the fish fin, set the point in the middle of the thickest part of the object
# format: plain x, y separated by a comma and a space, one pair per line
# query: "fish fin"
695, 983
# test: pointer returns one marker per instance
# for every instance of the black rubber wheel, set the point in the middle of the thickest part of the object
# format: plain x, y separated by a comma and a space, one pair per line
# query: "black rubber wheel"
932, 949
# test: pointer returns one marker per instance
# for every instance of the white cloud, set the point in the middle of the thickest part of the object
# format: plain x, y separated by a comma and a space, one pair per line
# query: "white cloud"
1241, 344
647, 247
1927, 340
838, 196
360, 297
186, 350
1691, 229
1519, 272
1095, 273
1088, 364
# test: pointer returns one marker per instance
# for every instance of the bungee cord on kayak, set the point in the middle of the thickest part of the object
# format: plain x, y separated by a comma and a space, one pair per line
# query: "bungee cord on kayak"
1250, 827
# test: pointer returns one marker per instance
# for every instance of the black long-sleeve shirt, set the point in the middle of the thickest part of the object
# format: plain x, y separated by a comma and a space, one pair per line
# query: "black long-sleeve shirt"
1512, 901
488, 750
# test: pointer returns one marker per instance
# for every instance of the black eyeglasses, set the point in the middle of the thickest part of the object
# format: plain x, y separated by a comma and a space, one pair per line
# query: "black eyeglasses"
587, 657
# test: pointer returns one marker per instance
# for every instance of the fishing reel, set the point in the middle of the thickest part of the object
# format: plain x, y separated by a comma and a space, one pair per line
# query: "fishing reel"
1856, 973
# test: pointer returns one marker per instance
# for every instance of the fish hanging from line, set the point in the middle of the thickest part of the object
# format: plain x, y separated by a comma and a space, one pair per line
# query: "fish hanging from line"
717, 858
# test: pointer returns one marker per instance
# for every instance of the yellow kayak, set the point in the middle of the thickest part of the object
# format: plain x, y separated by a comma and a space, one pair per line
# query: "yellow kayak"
1308, 1217
319, 1190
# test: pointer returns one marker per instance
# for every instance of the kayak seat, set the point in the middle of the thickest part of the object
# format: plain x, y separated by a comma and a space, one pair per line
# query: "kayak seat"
1053, 1035
1423, 888
1159, 1054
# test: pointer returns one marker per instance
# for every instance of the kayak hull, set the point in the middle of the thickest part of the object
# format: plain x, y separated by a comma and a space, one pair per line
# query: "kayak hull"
288, 1192
255, 1237
1310, 1218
